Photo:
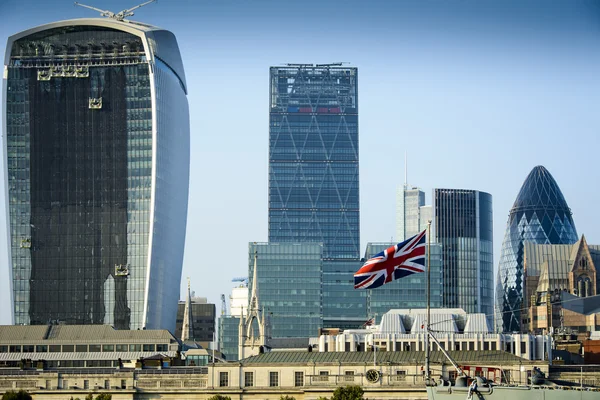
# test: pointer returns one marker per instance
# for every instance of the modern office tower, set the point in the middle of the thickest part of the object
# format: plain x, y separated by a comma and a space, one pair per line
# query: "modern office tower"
409, 292
201, 320
289, 286
97, 154
408, 216
539, 215
313, 176
463, 222
313, 158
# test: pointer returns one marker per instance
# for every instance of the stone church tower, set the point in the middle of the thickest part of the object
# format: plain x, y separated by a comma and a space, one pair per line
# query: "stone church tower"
251, 344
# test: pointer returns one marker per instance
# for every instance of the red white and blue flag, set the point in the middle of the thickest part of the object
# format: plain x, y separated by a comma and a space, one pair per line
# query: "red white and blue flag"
396, 262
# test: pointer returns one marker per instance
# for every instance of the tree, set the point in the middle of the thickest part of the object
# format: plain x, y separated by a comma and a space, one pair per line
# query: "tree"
104, 396
286, 397
89, 397
20, 395
348, 393
219, 397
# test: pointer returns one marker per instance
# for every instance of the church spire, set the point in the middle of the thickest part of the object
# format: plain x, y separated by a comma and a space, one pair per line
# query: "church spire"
186, 329
249, 343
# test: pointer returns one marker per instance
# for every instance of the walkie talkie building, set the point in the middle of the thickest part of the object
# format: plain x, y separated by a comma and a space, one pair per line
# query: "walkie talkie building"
96, 130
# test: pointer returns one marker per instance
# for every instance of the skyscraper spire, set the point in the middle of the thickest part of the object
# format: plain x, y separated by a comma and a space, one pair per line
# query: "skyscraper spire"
186, 329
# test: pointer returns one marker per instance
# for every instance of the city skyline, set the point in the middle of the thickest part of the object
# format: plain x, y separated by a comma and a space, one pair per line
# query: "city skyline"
476, 94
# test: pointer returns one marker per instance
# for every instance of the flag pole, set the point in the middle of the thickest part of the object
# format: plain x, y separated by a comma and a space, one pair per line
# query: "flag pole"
427, 371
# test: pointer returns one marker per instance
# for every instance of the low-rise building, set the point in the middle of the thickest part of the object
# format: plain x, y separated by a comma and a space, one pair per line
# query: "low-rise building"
83, 346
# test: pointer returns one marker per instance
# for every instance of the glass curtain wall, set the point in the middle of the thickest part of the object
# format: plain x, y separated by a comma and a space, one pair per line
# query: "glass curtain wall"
79, 150
539, 215
463, 227
313, 158
289, 286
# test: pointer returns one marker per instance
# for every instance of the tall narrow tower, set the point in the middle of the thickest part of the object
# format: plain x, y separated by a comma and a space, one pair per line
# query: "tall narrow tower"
313, 157
96, 130
254, 332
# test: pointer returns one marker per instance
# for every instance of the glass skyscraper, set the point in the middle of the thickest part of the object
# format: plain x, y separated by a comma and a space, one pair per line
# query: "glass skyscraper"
289, 286
313, 176
463, 226
412, 215
539, 215
313, 158
97, 154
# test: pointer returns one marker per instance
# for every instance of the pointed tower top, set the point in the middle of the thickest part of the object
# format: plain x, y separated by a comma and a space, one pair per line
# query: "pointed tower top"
186, 328
540, 190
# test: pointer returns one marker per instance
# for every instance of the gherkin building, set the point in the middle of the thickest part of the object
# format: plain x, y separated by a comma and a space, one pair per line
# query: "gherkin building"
540, 215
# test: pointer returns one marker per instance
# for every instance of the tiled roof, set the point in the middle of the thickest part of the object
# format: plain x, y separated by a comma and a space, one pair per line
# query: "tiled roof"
397, 357
26, 334
79, 356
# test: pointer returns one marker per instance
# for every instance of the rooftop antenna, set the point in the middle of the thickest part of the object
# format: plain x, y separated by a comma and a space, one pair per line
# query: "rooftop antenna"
120, 16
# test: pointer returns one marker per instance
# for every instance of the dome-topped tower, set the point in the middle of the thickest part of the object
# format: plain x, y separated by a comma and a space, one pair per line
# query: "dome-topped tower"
540, 215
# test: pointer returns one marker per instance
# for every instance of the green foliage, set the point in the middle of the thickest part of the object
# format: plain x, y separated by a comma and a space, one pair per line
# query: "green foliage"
104, 396
89, 397
20, 395
322, 398
286, 397
219, 397
348, 393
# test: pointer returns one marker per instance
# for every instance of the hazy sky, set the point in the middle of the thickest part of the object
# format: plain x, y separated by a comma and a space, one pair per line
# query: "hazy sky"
477, 93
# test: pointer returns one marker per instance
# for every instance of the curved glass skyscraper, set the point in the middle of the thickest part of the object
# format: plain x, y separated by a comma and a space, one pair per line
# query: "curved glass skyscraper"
97, 156
540, 215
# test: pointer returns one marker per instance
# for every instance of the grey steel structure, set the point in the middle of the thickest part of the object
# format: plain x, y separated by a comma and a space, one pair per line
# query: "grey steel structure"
463, 221
96, 130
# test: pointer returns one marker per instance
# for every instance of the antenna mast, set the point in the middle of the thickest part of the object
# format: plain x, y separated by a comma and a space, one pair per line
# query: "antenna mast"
120, 16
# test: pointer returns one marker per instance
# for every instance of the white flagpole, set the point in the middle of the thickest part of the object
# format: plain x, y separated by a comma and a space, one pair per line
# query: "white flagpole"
427, 371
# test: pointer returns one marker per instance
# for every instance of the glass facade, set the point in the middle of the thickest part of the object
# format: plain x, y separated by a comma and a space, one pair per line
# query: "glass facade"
89, 142
289, 286
229, 330
408, 219
313, 158
407, 292
463, 221
343, 306
539, 215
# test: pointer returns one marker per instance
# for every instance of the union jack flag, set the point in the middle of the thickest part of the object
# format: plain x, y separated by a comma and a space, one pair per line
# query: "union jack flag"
396, 262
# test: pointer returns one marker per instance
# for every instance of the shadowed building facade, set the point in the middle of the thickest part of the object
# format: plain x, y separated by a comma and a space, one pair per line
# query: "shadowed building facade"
540, 215
463, 227
97, 155
314, 178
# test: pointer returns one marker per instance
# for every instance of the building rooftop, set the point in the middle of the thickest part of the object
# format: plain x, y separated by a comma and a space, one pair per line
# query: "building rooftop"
39, 334
397, 357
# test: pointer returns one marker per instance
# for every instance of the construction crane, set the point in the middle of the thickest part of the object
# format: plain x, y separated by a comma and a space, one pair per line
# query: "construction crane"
120, 16
223, 305
243, 279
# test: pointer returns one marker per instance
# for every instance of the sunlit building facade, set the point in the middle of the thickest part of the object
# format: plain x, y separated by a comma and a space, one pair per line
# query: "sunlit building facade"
96, 146
463, 226
540, 215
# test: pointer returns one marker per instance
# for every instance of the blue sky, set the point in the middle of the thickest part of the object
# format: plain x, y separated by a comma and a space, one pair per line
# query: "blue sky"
477, 93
